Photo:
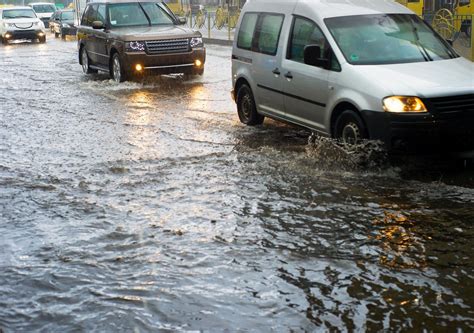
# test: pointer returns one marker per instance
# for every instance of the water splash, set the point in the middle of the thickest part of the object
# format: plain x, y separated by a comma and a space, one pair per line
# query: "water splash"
367, 154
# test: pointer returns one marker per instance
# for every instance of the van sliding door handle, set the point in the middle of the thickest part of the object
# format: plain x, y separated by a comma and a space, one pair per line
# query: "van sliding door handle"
276, 71
289, 75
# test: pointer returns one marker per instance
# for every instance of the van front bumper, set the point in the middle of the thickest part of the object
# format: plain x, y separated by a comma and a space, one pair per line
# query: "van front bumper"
166, 63
421, 132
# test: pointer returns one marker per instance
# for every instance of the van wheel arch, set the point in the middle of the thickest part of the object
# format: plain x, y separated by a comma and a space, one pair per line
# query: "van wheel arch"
340, 109
240, 82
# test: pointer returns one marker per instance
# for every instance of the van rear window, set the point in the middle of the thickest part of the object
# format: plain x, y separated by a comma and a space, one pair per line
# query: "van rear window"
247, 28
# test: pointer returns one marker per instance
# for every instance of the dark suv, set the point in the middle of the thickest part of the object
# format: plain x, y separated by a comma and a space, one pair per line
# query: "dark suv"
126, 38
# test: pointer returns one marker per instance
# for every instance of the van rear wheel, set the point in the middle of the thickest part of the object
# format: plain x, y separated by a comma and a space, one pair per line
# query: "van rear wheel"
246, 107
350, 128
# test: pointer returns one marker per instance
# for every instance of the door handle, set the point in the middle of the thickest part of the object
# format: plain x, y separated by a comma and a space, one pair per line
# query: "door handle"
289, 76
276, 71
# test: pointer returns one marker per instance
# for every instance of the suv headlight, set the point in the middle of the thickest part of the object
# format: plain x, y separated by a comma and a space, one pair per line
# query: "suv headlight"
403, 104
134, 46
196, 42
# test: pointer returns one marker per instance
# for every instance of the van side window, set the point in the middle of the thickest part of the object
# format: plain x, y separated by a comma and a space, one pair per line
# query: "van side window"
247, 28
268, 33
306, 32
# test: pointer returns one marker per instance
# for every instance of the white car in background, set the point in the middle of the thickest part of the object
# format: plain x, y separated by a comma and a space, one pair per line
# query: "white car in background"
20, 23
44, 10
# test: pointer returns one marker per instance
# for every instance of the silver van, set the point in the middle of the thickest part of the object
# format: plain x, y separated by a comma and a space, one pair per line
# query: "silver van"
352, 70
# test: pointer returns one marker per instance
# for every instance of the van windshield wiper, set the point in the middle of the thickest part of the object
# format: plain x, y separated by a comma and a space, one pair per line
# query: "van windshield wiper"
421, 47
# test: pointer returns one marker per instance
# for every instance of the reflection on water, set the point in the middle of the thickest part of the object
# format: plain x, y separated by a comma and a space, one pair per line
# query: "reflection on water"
401, 248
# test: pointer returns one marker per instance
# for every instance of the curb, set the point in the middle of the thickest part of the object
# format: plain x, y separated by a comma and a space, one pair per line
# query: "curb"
217, 41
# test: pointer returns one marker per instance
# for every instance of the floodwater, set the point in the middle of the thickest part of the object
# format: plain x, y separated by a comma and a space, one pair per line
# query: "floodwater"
146, 206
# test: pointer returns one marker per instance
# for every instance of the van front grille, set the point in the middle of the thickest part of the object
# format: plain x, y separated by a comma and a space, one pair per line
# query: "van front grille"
452, 105
167, 46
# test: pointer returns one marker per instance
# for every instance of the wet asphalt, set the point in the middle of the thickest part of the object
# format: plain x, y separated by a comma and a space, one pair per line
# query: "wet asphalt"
146, 206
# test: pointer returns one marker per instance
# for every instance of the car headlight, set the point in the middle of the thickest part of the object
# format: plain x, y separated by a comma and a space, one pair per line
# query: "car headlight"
134, 46
403, 104
196, 42
65, 25
9, 25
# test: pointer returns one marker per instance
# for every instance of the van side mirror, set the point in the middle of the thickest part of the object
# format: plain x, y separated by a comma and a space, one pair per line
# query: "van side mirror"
182, 20
312, 56
98, 25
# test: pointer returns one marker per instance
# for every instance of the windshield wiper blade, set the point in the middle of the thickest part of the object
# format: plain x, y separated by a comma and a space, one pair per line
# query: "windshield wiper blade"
422, 48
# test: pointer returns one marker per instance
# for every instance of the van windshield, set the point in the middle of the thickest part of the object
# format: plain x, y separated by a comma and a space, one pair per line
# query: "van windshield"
44, 8
136, 14
387, 39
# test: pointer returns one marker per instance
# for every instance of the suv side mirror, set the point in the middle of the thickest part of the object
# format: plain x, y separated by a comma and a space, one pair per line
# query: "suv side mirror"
312, 56
182, 20
98, 25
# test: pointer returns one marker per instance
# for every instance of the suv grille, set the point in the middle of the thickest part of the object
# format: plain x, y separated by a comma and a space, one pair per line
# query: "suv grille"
167, 46
461, 104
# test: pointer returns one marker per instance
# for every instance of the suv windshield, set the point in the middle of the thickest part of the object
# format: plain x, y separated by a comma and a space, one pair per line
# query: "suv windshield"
387, 39
67, 16
133, 14
44, 8
18, 13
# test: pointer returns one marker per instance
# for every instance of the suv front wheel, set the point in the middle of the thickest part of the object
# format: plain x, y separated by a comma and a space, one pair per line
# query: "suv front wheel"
117, 72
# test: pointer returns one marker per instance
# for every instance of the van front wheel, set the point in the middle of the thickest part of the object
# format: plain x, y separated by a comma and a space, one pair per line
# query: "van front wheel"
246, 107
350, 128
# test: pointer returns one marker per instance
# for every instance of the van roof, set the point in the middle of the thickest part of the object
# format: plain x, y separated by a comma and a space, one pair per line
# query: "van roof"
333, 8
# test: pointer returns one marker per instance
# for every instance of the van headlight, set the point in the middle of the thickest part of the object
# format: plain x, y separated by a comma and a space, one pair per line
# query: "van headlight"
134, 46
402, 104
196, 42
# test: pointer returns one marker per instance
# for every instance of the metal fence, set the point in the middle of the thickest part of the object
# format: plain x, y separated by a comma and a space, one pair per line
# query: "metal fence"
455, 28
219, 24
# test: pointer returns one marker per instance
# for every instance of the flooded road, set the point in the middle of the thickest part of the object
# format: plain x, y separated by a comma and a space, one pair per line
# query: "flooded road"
147, 206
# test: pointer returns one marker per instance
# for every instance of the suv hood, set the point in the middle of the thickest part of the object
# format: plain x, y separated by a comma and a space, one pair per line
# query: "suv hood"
23, 23
423, 79
153, 33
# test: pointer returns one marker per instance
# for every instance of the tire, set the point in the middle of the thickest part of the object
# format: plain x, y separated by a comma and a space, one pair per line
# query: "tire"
117, 72
246, 107
199, 72
63, 36
85, 62
42, 40
350, 128
56, 35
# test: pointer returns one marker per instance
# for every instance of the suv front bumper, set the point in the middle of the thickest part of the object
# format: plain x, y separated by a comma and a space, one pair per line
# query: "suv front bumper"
421, 132
166, 63
23, 34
